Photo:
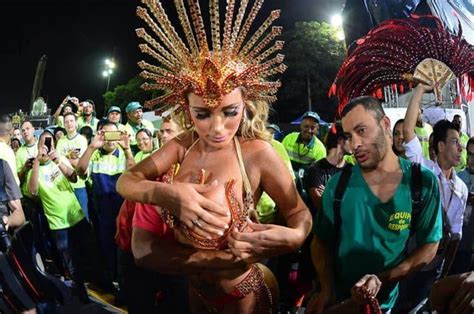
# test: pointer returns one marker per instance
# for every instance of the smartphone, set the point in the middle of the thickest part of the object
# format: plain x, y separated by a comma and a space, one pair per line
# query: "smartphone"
112, 135
47, 143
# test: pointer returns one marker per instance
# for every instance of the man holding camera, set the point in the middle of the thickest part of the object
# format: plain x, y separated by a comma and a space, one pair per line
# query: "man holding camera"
50, 179
106, 158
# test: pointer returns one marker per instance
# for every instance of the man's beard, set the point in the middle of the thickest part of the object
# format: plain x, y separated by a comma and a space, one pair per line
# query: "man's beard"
379, 151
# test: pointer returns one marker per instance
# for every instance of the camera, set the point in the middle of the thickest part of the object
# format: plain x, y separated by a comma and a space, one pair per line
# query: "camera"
23, 281
112, 135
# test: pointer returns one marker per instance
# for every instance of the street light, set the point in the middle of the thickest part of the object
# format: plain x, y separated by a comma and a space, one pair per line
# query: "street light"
336, 20
107, 72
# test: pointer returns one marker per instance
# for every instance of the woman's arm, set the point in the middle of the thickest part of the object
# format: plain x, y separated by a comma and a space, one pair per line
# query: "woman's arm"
183, 200
267, 170
157, 254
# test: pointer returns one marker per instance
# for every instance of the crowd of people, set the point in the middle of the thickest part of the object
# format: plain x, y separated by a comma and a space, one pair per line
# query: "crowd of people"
213, 214
86, 191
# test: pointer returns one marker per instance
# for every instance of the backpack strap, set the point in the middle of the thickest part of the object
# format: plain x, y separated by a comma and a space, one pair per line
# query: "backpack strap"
338, 195
415, 186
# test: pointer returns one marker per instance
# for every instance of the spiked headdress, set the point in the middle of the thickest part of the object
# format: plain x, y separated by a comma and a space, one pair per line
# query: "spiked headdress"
193, 66
400, 52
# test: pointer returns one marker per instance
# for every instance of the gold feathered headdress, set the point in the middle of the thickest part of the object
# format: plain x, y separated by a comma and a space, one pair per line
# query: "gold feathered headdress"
209, 73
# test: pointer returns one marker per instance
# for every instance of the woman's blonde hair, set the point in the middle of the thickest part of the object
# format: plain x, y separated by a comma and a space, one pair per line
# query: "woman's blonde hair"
252, 126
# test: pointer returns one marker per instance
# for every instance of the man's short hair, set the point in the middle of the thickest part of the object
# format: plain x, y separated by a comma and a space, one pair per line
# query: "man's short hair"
333, 136
104, 122
368, 103
70, 114
6, 125
440, 132
25, 121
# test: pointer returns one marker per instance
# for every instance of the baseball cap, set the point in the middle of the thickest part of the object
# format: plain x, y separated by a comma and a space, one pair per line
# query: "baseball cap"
312, 114
134, 105
274, 127
114, 109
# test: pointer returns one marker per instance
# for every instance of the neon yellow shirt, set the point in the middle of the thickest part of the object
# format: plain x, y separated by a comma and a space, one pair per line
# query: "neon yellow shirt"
24, 153
7, 154
66, 146
61, 207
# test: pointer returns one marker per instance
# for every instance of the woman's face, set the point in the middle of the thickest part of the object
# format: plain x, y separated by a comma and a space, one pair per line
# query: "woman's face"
217, 126
144, 142
58, 135
398, 138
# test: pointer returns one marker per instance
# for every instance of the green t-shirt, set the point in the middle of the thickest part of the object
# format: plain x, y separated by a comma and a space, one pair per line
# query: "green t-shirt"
81, 122
374, 234
132, 129
7, 154
61, 207
423, 133
67, 145
24, 153
142, 155
301, 154
266, 207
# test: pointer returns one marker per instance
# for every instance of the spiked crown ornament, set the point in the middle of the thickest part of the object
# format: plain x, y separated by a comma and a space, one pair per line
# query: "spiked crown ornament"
401, 52
193, 66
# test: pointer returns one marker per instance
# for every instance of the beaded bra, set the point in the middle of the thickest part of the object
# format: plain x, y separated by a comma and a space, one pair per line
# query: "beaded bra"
238, 213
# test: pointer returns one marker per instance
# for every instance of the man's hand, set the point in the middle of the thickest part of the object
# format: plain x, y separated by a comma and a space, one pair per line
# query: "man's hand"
124, 140
370, 284
5, 222
98, 141
54, 156
29, 164
319, 302
463, 301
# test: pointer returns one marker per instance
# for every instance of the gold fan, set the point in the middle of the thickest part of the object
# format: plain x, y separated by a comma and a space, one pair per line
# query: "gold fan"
434, 73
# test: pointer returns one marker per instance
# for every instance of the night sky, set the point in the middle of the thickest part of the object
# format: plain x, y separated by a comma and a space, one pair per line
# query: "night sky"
78, 35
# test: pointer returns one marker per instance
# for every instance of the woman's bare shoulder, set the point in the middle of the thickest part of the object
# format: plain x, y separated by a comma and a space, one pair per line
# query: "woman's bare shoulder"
255, 148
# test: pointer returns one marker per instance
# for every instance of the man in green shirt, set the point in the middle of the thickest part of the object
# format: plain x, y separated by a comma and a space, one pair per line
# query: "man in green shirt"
376, 217
50, 179
72, 146
26, 154
304, 147
135, 123
88, 116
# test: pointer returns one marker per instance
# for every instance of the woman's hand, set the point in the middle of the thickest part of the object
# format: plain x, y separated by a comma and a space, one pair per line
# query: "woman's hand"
262, 240
197, 212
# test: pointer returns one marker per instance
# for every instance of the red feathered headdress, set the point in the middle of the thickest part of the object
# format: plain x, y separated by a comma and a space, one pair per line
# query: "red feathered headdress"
390, 53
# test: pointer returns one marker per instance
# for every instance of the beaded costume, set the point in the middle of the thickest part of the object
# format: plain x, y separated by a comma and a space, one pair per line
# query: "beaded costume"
393, 52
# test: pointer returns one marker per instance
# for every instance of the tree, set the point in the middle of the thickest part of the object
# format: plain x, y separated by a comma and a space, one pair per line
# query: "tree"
313, 55
123, 94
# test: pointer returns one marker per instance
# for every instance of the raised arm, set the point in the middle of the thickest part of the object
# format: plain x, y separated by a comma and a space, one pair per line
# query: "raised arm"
413, 108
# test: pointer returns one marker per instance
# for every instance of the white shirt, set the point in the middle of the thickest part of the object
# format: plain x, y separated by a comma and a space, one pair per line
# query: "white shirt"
453, 191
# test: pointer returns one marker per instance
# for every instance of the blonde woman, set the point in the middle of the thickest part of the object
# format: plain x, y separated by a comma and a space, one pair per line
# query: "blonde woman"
225, 163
